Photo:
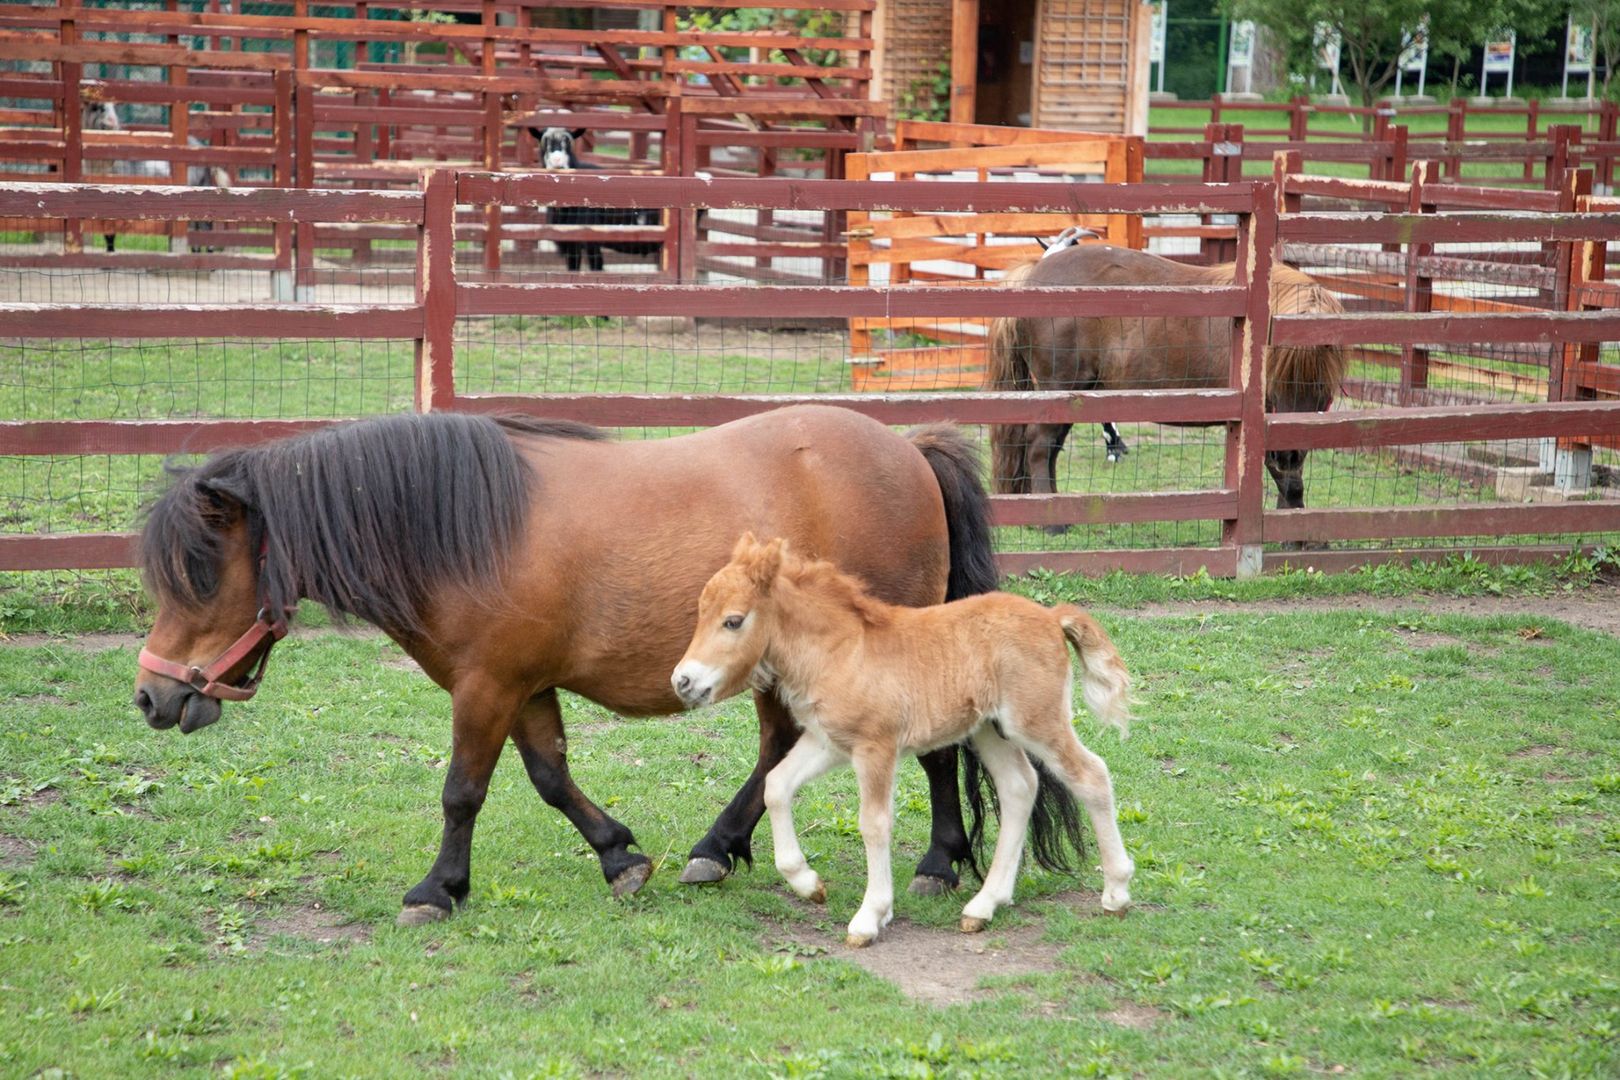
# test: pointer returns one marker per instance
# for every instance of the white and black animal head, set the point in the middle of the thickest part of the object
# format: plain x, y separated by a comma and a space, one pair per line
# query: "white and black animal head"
98, 115
557, 147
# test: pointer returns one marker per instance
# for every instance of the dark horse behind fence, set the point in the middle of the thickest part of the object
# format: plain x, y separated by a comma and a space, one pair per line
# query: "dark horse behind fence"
515, 558
1145, 353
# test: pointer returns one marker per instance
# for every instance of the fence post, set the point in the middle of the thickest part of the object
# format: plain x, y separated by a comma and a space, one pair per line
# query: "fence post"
1419, 286
1298, 118
1607, 116
1456, 132
282, 278
492, 144
72, 74
1223, 163
1245, 441
436, 292
1572, 459
1286, 163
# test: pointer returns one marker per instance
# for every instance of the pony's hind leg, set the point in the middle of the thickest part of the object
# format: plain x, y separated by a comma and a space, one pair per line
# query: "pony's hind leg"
482, 716
948, 843
1086, 775
874, 771
808, 759
1015, 782
1114, 442
538, 736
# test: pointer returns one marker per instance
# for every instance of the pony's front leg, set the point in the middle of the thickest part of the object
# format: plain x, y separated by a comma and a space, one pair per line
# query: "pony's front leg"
482, 717
809, 758
538, 736
730, 838
874, 771
1015, 782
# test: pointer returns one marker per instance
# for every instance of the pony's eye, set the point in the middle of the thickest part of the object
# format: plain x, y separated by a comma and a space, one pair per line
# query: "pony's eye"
733, 622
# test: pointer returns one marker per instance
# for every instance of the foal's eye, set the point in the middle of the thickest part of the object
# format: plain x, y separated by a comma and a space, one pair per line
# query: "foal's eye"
733, 622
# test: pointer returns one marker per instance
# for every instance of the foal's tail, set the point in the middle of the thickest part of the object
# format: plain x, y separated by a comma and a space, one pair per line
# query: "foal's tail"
1104, 682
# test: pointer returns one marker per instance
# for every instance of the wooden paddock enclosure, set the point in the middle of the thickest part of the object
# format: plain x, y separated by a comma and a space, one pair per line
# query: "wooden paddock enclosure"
453, 298
276, 111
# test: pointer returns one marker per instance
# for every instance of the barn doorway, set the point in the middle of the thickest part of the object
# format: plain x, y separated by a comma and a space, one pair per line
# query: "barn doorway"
1006, 66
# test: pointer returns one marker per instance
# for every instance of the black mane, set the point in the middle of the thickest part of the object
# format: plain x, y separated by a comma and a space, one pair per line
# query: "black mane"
366, 518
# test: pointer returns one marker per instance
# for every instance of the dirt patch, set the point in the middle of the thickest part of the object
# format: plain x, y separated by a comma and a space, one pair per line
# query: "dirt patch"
941, 966
1133, 1014
1539, 750
1595, 607
15, 854
1423, 640
76, 642
312, 923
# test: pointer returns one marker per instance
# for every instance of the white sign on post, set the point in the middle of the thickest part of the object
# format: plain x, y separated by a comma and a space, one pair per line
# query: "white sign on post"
1240, 57
1414, 56
1580, 48
1161, 15
1498, 61
1327, 42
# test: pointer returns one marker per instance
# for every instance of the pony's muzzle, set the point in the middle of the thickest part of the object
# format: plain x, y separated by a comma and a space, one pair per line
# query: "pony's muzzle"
167, 703
693, 683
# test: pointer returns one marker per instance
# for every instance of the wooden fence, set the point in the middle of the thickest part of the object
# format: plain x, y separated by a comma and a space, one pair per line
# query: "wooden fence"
1237, 502
671, 100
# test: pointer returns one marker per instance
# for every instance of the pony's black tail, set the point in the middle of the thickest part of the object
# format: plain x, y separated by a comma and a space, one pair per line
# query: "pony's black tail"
1054, 823
973, 571
967, 508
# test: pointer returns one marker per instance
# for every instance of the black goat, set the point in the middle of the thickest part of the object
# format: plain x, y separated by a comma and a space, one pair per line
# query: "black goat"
557, 154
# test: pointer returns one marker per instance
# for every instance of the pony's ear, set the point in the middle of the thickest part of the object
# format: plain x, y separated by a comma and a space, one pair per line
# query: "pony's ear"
226, 496
767, 564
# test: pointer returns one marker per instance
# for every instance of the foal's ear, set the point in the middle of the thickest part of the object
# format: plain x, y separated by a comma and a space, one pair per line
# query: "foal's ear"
767, 564
746, 543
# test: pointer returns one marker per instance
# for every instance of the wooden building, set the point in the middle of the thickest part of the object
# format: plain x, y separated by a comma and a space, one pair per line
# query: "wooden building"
1078, 65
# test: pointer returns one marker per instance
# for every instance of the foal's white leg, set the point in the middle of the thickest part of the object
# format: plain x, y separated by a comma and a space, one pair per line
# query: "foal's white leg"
874, 771
808, 759
1087, 776
1014, 778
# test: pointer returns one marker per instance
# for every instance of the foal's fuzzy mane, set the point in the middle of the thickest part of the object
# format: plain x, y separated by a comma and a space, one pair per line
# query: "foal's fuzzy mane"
824, 580
368, 518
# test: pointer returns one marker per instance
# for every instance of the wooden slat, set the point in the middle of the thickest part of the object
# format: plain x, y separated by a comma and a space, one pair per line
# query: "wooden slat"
1452, 520
77, 551
372, 321
1041, 407
1446, 228
167, 202
69, 437
1444, 328
1219, 562
1398, 426
850, 301
1105, 509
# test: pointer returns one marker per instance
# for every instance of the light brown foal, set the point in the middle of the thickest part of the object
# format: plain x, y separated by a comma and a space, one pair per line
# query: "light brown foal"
869, 681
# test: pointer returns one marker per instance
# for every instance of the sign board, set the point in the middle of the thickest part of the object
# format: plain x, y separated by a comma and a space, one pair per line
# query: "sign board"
1499, 56
1240, 58
1415, 47
1161, 13
1580, 52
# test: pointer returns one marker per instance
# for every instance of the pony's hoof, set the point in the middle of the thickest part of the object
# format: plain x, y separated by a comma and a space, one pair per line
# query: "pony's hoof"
632, 879
929, 885
702, 871
859, 941
970, 925
421, 915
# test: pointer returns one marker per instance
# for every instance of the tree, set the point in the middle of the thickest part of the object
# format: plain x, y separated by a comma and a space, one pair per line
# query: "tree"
1372, 32
1604, 17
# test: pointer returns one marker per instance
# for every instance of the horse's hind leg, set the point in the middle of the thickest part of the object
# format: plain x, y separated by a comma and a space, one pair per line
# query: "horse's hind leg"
808, 759
111, 240
1114, 442
730, 837
874, 770
482, 717
1046, 442
538, 736
1086, 775
1015, 782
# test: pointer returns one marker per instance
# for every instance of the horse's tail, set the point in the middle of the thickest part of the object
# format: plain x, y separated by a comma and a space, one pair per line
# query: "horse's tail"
1104, 683
1007, 368
973, 571
1303, 378
967, 508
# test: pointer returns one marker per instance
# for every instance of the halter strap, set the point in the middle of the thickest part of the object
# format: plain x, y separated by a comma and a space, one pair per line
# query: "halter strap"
207, 680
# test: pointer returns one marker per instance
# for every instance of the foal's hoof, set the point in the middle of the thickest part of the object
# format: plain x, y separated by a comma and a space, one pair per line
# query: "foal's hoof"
858, 941
1118, 913
421, 915
970, 925
929, 885
818, 895
702, 871
632, 879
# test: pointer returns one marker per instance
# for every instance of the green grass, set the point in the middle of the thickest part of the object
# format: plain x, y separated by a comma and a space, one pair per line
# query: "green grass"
1386, 842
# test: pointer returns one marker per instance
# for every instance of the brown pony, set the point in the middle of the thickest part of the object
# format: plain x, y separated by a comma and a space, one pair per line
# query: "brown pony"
1144, 353
514, 558
870, 681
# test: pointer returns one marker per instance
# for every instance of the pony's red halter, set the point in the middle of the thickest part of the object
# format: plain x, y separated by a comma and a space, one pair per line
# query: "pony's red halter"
206, 680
